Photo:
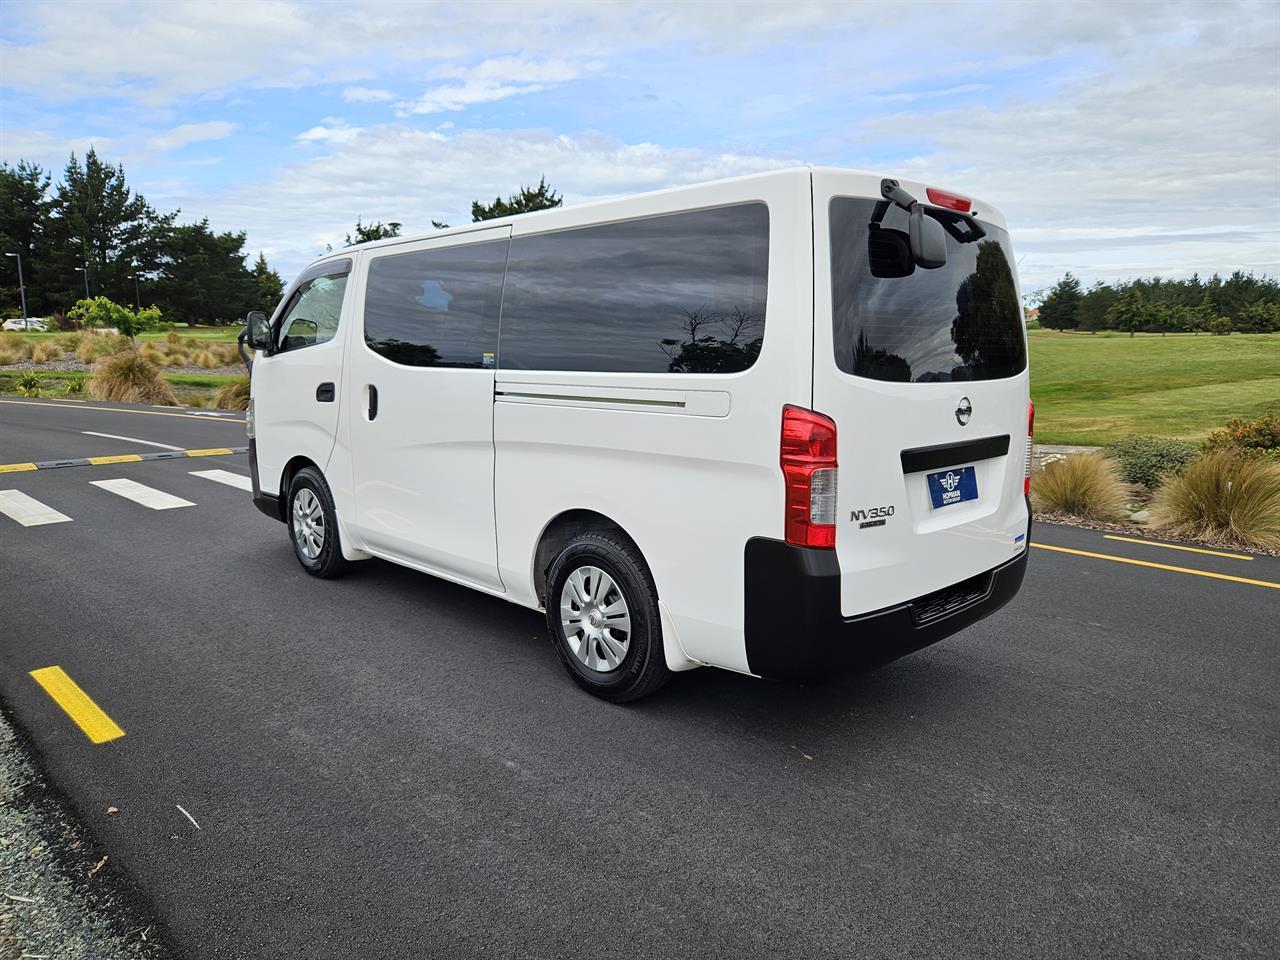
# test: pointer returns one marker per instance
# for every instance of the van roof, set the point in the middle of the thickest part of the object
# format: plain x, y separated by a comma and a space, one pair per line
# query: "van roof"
769, 175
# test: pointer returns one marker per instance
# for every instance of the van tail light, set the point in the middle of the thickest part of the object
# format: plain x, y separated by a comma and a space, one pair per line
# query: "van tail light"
810, 474
1031, 434
951, 201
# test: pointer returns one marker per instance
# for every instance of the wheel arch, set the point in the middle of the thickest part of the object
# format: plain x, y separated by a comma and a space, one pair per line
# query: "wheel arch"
568, 524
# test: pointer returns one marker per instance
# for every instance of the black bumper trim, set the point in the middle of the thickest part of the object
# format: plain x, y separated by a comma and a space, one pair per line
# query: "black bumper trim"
265, 502
795, 631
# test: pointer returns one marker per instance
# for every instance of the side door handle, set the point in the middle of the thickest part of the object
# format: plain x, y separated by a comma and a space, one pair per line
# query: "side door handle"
325, 393
373, 402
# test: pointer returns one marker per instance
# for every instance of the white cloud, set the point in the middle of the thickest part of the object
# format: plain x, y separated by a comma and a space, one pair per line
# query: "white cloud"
397, 172
492, 80
330, 130
367, 95
188, 133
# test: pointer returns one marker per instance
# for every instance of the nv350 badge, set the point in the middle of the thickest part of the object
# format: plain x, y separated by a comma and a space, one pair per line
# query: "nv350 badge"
872, 516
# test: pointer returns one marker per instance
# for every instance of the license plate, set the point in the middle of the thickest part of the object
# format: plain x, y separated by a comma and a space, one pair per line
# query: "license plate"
953, 486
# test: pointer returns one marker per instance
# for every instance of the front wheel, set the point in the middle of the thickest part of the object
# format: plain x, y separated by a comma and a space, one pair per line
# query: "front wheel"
602, 614
313, 525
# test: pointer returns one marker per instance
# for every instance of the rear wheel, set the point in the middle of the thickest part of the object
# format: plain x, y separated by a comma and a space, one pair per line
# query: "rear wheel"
313, 525
602, 614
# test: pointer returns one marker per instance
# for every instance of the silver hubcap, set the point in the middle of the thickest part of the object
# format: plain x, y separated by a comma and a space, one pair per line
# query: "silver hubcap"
595, 619
308, 523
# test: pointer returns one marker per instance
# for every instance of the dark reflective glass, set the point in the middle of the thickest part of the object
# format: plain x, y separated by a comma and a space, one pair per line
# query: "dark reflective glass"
893, 321
436, 308
682, 293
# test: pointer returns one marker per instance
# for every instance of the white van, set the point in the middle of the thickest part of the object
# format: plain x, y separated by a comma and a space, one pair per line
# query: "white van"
777, 424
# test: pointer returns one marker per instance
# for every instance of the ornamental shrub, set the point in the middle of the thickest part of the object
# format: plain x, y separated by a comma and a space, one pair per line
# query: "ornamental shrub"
1148, 460
1256, 438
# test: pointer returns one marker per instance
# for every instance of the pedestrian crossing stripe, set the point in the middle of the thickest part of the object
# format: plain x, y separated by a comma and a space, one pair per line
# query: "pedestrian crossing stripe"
141, 493
30, 512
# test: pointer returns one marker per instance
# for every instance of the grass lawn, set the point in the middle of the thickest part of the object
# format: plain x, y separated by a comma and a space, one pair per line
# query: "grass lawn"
1092, 389
213, 334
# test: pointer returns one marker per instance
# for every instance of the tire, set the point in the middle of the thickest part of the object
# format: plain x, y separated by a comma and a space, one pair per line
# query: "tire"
598, 582
313, 525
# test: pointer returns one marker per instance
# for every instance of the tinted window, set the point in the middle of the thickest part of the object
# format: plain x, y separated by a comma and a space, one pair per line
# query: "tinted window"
962, 321
683, 293
313, 312
436, 308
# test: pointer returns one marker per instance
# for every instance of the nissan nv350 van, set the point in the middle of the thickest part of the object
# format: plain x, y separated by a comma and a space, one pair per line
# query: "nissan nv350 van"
777, 424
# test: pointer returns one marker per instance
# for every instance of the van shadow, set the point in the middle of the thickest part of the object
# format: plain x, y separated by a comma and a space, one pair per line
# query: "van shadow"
937, 684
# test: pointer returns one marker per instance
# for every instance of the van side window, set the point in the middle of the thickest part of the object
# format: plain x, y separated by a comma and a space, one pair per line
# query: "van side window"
313, 313
680, 293
436, 308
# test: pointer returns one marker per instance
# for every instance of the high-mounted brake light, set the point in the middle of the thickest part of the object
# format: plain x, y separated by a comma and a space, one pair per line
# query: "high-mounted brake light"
1031, 434
809, 471
952, 201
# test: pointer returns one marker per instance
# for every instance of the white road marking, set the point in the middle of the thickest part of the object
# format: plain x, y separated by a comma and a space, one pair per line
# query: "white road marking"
141, 493
146, 443
225, 476
28, 511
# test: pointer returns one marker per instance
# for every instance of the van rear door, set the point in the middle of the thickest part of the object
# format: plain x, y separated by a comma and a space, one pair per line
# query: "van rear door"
924, 372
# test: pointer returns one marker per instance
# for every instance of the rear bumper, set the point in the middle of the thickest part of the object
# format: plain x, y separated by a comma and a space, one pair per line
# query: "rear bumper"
795, 630
266, 502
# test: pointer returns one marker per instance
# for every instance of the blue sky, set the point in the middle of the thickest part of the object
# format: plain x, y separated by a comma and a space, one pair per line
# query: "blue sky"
1119, 139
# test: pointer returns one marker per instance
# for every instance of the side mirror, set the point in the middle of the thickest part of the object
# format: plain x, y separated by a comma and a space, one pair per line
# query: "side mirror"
928, 239
257, 328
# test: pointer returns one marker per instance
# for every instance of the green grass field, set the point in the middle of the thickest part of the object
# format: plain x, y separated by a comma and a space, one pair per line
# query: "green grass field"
214, 334
1093, 389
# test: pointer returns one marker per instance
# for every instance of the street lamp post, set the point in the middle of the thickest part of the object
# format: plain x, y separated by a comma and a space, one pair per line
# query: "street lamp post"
85, 271
22, 285
137, 298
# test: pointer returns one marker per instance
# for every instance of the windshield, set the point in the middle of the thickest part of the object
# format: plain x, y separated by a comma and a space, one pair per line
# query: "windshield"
894, 321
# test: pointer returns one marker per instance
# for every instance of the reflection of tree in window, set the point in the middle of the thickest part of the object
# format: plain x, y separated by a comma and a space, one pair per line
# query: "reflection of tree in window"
702, 351
878, 363
985, 337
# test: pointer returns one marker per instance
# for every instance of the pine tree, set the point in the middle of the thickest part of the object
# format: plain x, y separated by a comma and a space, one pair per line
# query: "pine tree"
373, 231
270, 286
100, 224
541, 197
24, 213
1061, 308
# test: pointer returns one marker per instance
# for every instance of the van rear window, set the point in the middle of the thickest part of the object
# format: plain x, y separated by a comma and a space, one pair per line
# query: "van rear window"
962, 321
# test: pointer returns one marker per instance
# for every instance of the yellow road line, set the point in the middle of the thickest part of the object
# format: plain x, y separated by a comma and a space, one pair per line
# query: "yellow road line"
149, 413
211, 452
1158, 566
1174, 546
77, 704
16, 467
119, 458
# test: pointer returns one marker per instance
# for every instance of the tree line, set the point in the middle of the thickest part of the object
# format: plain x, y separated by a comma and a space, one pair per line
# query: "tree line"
90, 234
1241, 303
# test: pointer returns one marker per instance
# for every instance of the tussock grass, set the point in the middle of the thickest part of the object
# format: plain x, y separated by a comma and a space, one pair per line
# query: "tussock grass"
206, 359
45, 351
130, 378
1082, 485
8, 356
95, 346
1225, 495
233, 395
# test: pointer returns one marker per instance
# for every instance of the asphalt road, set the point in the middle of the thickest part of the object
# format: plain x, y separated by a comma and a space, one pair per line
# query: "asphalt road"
388, 765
